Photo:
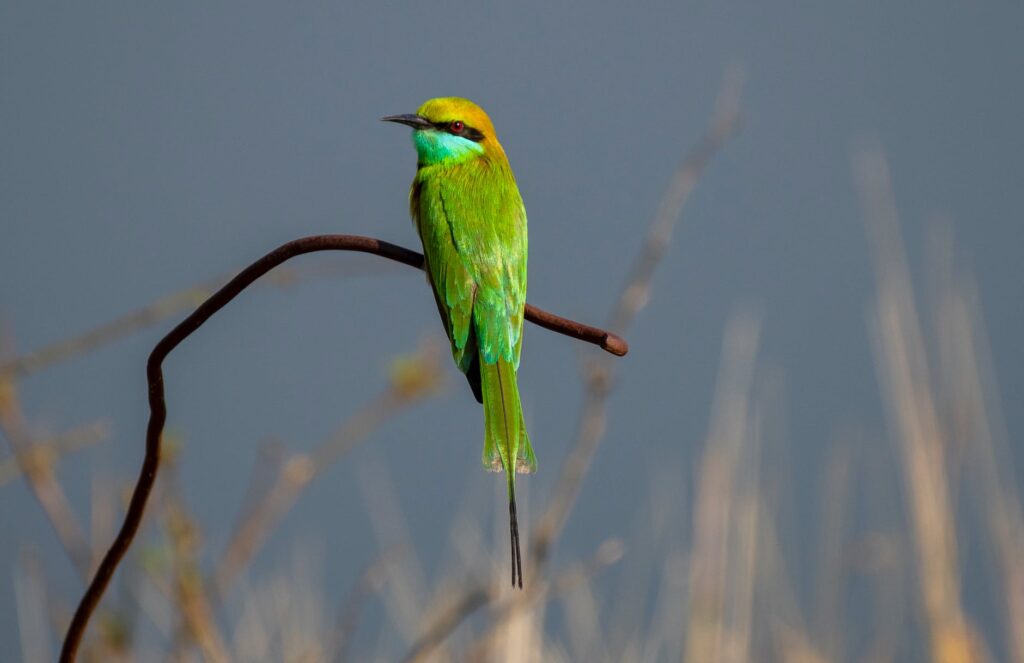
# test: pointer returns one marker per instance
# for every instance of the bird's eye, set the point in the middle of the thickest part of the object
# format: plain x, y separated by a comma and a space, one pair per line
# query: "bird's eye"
456, 127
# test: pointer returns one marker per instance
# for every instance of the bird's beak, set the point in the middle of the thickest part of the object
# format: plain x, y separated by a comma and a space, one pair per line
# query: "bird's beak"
412, 120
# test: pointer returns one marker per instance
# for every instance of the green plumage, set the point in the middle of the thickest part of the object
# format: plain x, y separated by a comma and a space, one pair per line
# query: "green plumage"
470, 217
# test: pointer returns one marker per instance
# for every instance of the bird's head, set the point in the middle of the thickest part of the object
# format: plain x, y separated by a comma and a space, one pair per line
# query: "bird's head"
450, 130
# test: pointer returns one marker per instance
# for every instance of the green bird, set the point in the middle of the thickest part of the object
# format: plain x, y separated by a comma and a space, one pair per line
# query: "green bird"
470, 217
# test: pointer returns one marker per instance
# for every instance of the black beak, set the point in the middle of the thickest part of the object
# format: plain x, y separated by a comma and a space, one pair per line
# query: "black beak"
414, 121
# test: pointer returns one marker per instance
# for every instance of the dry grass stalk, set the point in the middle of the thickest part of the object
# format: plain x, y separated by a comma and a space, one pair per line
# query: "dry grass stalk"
48, 452
38, 472
905, 377
966, 370
726, 512
189, 593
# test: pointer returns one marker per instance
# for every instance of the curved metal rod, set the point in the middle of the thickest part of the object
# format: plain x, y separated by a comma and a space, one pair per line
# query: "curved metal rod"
158, 408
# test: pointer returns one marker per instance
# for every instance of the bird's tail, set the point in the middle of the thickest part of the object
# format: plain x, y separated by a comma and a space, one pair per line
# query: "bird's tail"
506, 445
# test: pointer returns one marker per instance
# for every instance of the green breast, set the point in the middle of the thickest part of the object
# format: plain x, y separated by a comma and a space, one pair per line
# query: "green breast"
471, 220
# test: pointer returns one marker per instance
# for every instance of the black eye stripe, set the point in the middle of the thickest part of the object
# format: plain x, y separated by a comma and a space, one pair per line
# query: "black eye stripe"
469, 132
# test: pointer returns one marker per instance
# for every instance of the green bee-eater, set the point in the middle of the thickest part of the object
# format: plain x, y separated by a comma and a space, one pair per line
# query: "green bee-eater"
470, 217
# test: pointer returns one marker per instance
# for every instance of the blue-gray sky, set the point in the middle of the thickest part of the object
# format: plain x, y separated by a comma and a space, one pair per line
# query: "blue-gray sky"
144, 148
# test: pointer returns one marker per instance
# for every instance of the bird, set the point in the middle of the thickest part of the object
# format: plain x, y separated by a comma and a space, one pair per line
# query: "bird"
470, 217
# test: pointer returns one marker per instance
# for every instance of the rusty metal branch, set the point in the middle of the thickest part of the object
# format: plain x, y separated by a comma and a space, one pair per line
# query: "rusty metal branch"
158, 408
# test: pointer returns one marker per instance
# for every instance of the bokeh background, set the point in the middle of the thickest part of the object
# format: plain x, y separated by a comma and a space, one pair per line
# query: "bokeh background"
808, 453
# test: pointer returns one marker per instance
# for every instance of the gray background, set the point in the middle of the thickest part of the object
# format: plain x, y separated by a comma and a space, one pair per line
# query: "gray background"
146, 148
